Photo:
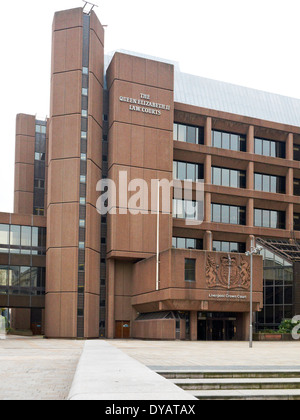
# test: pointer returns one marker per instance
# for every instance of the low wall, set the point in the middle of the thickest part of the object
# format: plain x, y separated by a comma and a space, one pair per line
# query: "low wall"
156, 329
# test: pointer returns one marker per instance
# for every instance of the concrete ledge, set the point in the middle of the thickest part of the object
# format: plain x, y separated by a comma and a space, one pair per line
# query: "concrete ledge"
106, 373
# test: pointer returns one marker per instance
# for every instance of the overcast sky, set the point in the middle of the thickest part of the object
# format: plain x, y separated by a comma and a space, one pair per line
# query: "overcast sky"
254, 43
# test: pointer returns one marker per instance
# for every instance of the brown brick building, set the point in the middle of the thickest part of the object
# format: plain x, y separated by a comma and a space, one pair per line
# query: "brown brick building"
126, 113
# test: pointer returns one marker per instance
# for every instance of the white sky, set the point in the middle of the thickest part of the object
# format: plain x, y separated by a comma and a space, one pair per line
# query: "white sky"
253, 43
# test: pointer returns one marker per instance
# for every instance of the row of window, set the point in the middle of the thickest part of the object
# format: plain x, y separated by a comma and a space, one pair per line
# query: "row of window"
218, 246
22, 239
234, 215
232, 141
233, 178
29, 277
228, 177
187, 243
188, 171
223, 213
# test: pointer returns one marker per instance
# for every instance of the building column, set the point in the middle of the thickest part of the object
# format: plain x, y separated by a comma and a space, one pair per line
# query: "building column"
250, 176
208, 241
250, 139
207, 131
110, 319
207, 169
207, 207
290, 147
290, 217
250, 212
290, 182
194, 325
250, 242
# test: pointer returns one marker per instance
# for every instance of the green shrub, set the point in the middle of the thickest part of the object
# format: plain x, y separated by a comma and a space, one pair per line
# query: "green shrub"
287, 326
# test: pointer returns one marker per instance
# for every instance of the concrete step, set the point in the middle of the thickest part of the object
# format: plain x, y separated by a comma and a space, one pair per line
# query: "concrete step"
239, 374
252, 395
237, 384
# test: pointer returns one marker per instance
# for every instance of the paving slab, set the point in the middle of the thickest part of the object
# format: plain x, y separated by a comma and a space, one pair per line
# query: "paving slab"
36, 369
107, 373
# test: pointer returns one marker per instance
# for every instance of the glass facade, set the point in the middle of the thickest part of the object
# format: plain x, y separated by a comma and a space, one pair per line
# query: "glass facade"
188, 134
24, 240
187, 243
224, 246
18, 280
269, 219
269, 183
187, 171
228, 177
222, 213
278, 292
39, 168
229, 141
270, 148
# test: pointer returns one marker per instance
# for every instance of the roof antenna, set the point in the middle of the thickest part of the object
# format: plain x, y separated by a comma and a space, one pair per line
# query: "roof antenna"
88, 7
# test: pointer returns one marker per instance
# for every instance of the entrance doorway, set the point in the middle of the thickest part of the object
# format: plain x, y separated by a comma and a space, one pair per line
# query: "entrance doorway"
122, 329
217, 327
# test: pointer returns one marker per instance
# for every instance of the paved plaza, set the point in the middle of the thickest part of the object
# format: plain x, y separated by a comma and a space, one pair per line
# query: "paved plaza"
217, 355
37, 369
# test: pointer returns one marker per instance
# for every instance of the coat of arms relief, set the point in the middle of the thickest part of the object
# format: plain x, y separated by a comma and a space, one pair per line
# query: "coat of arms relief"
231, 272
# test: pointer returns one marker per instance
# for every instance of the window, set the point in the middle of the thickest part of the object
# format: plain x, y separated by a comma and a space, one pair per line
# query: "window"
84, 113
82, 223
4, 234
187, 171
296, 221
234, 215
184, 209
187, 243
296, 186
269, 148
82, 179
269, 183
269, 219
224, 246
190, 269
188, 134
84, 135
82, 201
297, 152
38, 211
229, 141
39, 183
228, 177
84, 91
83, 156
85, 70
39, 156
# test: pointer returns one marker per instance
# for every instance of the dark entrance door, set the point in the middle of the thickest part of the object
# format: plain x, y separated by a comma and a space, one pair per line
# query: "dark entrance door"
229, 330
218, 330
202, 330
217, 326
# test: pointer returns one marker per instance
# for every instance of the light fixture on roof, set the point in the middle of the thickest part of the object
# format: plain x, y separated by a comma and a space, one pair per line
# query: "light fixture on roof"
88, 7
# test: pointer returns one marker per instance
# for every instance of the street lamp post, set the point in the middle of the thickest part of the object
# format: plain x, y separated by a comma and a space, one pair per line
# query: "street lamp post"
254, 251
